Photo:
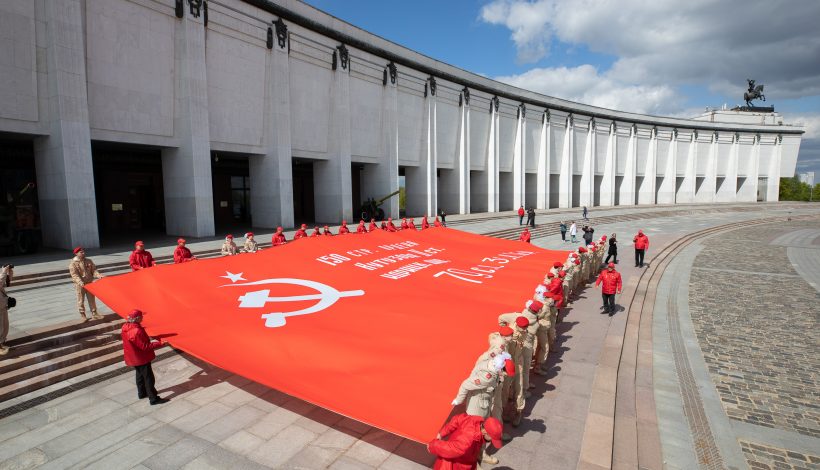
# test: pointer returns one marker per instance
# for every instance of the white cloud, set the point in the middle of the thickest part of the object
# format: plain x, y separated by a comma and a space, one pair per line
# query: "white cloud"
584, 84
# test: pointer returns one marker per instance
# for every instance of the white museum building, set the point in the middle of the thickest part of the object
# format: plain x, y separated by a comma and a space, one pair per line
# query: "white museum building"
187, 116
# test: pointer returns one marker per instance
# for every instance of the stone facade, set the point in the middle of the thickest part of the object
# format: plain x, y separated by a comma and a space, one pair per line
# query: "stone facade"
146, 73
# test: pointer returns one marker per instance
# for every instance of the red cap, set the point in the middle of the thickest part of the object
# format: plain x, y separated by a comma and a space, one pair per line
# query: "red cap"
180, 240
522, 322
577, 261
229, 236
556, 264
278, 229
304, 226
139, 243
535, 306
561, 274
581, 249
640, 232
603, 237
509, 367
494, 429
550, 275
506, 331
78, 249
574, 254
134, 314
611, 265
249, 234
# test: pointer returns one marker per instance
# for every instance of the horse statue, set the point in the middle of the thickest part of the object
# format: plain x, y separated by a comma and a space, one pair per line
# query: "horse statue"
754, 93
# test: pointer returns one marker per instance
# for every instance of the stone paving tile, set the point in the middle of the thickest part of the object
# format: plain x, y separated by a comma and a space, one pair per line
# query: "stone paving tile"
178, 454
761, 346
763, 457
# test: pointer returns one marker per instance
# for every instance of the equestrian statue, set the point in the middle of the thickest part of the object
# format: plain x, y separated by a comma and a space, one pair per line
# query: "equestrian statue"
754, 93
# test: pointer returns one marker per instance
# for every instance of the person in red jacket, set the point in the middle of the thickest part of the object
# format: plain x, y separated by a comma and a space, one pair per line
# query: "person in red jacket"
437, 223
361, 228
390, 226
301, 233
411, 224
404, 225
525, 236
372, 225
278, 237
327, 231
521, 213
182, 253
641, 242
140, 259
610, 282
316, 232
343, 229
138, 352
466, 436
424, 223
556, 288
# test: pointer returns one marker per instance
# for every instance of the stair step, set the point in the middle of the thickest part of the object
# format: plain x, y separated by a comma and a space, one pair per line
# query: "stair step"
78, 333
60, 328
34, 383
8, 366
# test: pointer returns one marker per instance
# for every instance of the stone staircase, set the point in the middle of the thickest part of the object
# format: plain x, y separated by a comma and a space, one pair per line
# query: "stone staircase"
59, 353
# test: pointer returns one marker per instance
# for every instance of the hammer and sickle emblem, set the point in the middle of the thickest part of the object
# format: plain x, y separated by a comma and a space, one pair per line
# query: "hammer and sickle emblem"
327, 296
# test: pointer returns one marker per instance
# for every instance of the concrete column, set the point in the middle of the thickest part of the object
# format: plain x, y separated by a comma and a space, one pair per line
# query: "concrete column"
331, 178
383, 178
627, 194
430, 162
186, 170
707, 190
565, 177
686, 193
464, 156
773, 179
646, 193
666, 193
588, 168
728, 190
608, 181
543, 175
65, 172
492, 159
272, 174
748, 192
519, 150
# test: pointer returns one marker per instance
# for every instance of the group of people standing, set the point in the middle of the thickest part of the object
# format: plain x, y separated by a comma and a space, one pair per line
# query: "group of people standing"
497, 388
530, 213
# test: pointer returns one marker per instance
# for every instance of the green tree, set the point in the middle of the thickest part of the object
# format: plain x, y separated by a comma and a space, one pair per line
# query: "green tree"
791, 189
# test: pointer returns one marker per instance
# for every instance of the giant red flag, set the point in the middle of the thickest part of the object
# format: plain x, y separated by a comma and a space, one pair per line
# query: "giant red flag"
381, 327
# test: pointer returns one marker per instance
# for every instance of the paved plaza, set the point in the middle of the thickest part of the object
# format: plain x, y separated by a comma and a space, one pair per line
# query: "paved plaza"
733, 362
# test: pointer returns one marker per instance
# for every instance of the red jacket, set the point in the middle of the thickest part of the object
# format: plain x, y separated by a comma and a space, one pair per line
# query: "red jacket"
137, 348
299, 234
437, 223
460, 450
361, 229
525, 236
521, 212
556, 288
278, 239
343, 230
182, 254
641, 242
611, 281
391, 227
372, 226
140, 260
424, 223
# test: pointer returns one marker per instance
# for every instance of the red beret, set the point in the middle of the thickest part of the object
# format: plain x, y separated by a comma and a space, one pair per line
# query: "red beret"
509, 367
556, 264
506, 331
180, 240
139, 242
535, 306
134, 314
495, 430
249, 234
610, 265
229, 236
304, 226
562, 274
577, 261
581, 249
522, 322
78, 249
550, 275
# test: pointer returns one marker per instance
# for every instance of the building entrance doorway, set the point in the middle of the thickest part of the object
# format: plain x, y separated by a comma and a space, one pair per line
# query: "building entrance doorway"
304, 211
232, 192
19, 208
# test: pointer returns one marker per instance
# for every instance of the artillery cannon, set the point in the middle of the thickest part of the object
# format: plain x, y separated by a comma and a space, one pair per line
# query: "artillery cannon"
19, 227
371, 209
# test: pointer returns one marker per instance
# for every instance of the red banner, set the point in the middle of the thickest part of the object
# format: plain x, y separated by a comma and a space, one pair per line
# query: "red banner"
381, 327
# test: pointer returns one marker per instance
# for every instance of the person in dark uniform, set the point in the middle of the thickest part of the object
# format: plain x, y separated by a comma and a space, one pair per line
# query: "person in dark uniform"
613, 250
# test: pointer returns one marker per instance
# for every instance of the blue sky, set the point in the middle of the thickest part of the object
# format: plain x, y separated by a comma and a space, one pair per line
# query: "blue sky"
662, 58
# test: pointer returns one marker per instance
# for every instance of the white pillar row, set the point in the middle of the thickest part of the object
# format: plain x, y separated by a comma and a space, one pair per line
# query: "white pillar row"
65, 172
588, 167
646, 193
706, 192
464, 155
748, 192
519, 150
186, 169
431, 163
607, 198
686, 193
666, 193
543, 175
728, 190
332, 186
627, 193
492, 159
565, 175
271, 174
773, 178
